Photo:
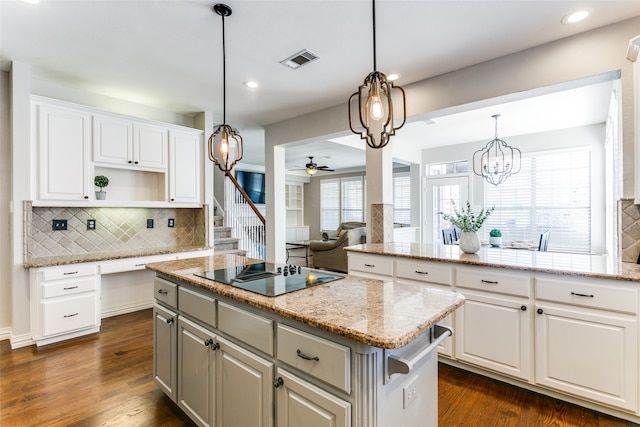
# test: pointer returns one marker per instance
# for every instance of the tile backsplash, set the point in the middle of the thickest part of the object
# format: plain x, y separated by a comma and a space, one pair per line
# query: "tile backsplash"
629, 230
116, 229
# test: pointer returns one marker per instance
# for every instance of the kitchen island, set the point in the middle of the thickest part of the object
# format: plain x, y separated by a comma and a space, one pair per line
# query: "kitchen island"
351, 352
561, 324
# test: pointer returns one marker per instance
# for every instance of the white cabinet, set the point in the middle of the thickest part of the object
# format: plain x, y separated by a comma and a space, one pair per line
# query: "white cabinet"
165, 350
494, 326
245, 387
300, 403
294, 203
125, 143
588, 352
63, 142
185, 167
196, 372
65, 303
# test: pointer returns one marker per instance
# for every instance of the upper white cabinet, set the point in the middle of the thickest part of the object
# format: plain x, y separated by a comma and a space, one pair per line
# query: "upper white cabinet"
184, 166
147, 163
63, 138
294, 202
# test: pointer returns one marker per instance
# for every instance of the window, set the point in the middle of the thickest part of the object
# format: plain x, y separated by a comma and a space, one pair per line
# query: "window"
448, 168
552, 192
341, 200
402, 198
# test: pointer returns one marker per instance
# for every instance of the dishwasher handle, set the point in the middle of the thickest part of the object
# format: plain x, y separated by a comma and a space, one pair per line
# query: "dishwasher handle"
401, 365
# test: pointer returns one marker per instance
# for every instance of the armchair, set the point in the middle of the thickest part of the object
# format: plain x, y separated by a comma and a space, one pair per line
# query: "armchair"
333, 234
329, 254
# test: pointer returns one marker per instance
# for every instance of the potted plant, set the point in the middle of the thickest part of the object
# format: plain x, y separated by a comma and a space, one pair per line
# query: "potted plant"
469, 222
495, 238
101, 181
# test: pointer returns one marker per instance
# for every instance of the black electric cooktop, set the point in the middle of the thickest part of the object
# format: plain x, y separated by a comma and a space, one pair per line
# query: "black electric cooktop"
269, 279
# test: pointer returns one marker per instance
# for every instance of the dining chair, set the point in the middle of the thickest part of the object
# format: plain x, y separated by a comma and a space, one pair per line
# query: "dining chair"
544, 241
448, 236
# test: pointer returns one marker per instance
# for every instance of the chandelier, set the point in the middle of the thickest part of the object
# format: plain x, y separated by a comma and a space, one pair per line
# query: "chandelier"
225, 143
496, 161
375, 104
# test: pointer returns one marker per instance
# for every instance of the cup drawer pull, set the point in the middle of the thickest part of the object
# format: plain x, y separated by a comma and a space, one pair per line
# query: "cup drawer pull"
70, 272
421, 272
370, 265
162, 292
70, 287
491, 282
71, 315
301, 355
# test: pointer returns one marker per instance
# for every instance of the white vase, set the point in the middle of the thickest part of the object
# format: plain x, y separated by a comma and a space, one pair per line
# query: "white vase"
496, 242
469, 242
101, 195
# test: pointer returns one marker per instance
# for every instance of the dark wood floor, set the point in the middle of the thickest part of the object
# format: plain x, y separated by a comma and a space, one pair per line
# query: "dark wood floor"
106, 380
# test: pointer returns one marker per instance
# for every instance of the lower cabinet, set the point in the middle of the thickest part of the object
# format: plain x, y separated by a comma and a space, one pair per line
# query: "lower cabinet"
589, 354
494, 332
245, 387
299, 403
165, 350
196, 372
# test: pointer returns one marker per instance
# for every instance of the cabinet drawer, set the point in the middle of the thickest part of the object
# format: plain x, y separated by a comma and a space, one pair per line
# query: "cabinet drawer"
68, 271
197, 305
424, 272
371, 264
588, 294
132, 264
325, 360
247, 327
492, 280
68, 314
69, 287
165, 292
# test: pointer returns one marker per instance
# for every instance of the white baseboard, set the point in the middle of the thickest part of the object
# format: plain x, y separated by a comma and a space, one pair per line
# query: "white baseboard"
23, 340
5, 333
116, 311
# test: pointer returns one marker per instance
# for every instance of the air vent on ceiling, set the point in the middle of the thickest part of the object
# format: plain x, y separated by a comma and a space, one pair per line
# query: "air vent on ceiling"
299, 59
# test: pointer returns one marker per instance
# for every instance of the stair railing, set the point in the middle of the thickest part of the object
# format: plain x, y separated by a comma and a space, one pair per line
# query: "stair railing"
244, 218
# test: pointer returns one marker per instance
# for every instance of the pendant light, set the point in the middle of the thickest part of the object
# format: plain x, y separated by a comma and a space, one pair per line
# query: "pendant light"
496, 161
375, 105
225, 143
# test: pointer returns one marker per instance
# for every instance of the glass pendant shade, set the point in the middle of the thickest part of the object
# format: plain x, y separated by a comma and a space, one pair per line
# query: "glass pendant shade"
497, 160
225, 147
371, 109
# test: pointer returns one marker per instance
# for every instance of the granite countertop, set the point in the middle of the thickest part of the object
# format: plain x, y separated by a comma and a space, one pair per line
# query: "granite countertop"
378, 313
599, 266
105, 256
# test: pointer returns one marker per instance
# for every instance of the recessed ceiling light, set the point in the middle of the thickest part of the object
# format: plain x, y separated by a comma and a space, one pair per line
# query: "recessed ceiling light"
393, 77
251, 84
577, 16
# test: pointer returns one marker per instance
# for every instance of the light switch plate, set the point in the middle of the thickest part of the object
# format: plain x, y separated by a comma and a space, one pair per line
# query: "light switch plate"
149, 223
171, 222
91, 224
59, 224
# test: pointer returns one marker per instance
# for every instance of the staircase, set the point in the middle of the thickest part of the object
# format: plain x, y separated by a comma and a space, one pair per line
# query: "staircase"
223, 243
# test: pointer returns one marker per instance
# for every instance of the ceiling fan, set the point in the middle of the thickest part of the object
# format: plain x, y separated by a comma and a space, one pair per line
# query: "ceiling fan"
312, 168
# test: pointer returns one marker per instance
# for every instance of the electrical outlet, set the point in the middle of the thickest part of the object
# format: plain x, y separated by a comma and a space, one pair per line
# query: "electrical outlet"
91, 224
409, 393
149, 223
171, 222
59, 224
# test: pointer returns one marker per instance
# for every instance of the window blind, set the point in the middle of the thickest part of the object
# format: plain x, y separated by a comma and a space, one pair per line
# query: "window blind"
552, 192
402, 198
329, 204
352, 199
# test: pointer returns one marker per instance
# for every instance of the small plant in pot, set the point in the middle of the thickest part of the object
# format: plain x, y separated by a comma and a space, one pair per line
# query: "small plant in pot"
101, 181
495, 238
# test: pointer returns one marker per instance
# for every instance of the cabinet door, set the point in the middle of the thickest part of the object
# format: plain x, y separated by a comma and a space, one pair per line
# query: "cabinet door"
245, 388
150, 146
184, 167
63, 141
299, 403
165, 350
494, 331
588, 353
112, 140
67, 314
196, 372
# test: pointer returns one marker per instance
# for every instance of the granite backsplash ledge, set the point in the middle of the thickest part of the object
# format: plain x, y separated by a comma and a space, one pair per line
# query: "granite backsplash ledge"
116, 229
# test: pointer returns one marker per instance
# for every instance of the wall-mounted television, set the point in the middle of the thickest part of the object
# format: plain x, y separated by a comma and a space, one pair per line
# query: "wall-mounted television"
253, 184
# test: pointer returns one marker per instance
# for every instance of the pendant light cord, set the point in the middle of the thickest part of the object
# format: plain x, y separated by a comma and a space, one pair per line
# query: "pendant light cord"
224, 77
375, 67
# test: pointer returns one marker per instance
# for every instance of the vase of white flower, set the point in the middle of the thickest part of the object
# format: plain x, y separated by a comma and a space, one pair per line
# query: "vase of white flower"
469, 222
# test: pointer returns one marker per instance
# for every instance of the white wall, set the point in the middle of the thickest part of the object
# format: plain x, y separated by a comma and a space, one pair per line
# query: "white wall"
5, 199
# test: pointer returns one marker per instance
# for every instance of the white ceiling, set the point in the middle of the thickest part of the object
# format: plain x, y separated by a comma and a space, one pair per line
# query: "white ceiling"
168, 54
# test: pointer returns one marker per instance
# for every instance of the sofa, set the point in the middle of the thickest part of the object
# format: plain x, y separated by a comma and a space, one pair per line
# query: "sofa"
329, 254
